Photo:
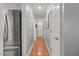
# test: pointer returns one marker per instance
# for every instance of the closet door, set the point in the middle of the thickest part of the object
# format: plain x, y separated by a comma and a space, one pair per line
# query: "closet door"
54, 26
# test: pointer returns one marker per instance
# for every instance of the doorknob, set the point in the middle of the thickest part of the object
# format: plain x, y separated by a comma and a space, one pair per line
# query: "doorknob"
56, 38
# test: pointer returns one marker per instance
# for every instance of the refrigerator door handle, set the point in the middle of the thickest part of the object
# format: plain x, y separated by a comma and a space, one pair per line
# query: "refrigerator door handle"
5, 35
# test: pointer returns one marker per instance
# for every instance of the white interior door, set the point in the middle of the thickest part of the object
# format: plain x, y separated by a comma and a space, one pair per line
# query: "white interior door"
54, 22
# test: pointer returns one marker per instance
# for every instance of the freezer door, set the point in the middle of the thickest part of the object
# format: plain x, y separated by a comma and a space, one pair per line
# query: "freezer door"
12, 51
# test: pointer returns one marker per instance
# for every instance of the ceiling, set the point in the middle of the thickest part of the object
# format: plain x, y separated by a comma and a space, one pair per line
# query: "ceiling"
39, 13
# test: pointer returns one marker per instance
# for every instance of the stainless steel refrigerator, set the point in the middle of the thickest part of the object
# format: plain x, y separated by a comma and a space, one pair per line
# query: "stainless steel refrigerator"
12, 33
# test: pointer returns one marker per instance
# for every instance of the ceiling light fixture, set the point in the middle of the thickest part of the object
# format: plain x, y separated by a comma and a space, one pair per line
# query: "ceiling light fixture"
58, 6
27, 8
54, 7
39, 8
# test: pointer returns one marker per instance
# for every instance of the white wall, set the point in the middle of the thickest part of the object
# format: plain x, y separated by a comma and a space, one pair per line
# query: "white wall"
71, 31
27, 28
12, 6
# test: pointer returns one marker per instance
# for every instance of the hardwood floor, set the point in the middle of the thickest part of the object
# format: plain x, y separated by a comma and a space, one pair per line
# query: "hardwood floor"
39, 48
